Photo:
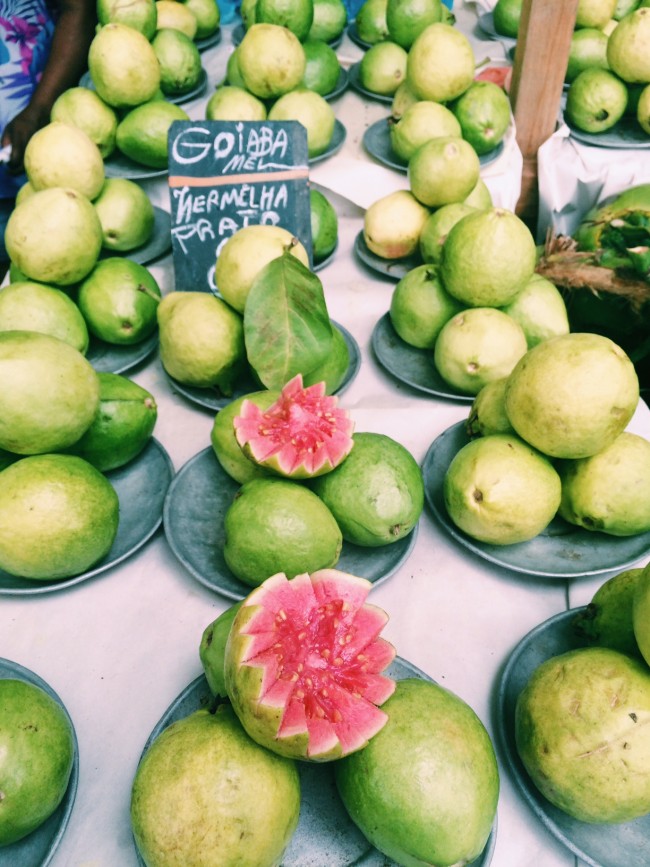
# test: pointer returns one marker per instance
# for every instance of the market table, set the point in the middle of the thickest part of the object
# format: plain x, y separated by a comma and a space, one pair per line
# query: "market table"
119, 647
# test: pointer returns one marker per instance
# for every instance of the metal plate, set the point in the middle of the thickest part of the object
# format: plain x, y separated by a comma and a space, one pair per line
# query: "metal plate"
212, 399
178, 98
141, 486
335, 145
621, 845
159, 243
318, 266
193, 518
110, 358
118, 165
355, 84
38, 847
626, 134
393, 268
209, 41
486, 24
560, 551
325, 834
410, 365
376, 140
353, 33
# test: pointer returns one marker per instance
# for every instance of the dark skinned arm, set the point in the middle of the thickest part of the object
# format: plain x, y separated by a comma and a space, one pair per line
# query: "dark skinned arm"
68, 58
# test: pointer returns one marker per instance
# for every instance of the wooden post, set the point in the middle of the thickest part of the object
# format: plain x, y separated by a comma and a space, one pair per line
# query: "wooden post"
541, 57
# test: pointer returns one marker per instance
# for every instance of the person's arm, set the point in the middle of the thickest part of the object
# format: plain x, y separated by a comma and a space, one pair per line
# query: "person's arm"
68, 60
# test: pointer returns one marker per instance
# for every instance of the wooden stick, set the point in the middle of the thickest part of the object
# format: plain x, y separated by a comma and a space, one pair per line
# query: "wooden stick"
541, 57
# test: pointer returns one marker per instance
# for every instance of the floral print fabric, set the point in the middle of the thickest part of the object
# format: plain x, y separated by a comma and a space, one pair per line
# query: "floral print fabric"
26, 28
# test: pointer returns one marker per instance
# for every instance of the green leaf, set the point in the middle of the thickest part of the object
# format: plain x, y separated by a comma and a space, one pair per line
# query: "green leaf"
287, 327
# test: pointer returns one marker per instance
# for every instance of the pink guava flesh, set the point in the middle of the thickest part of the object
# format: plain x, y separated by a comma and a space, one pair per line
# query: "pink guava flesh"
303, 434
315, 647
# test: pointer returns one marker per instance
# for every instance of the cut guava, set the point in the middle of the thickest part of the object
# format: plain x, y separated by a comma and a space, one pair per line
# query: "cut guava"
303, 665
302, 435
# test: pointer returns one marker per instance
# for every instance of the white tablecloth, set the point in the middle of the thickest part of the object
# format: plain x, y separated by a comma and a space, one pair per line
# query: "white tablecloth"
120, 647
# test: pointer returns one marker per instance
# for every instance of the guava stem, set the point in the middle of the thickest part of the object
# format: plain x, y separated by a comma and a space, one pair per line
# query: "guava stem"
149, 293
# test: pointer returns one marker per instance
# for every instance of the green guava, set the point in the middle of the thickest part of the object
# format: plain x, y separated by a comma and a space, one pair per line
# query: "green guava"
126, 214
322, 67
37, 747
179, 59
142, 134
324, 225
28, 306
274, 525
420, 306
212, 650
313, 111
83, 108
377, 494
443, 170
230, 102
122, 427
371, 21
271, 60
540, 310
201, 340
608, 492
596, 100
627, 47
499, 490
483, 112
406, 19
588, 48
119, 300
58, 517
49, 395
54, 236
487, 414
420, 122
173, 15
244, 255
641, 614
139, 14
296, 15
582, 734
403, 99
487, 258
437, 227
476, 346
392, 225
594, 13
440, 63
245, 819
607, 621
123, 66
571, 396
480, 197
330, 18
60, 155
383, 68
225, 445
425, 789
506, 16
207, 14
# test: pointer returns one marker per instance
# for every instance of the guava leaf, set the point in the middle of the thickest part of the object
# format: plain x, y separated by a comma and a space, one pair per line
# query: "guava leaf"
287, 327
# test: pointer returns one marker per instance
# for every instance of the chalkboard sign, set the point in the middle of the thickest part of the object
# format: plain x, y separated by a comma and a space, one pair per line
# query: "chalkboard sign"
224, 175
